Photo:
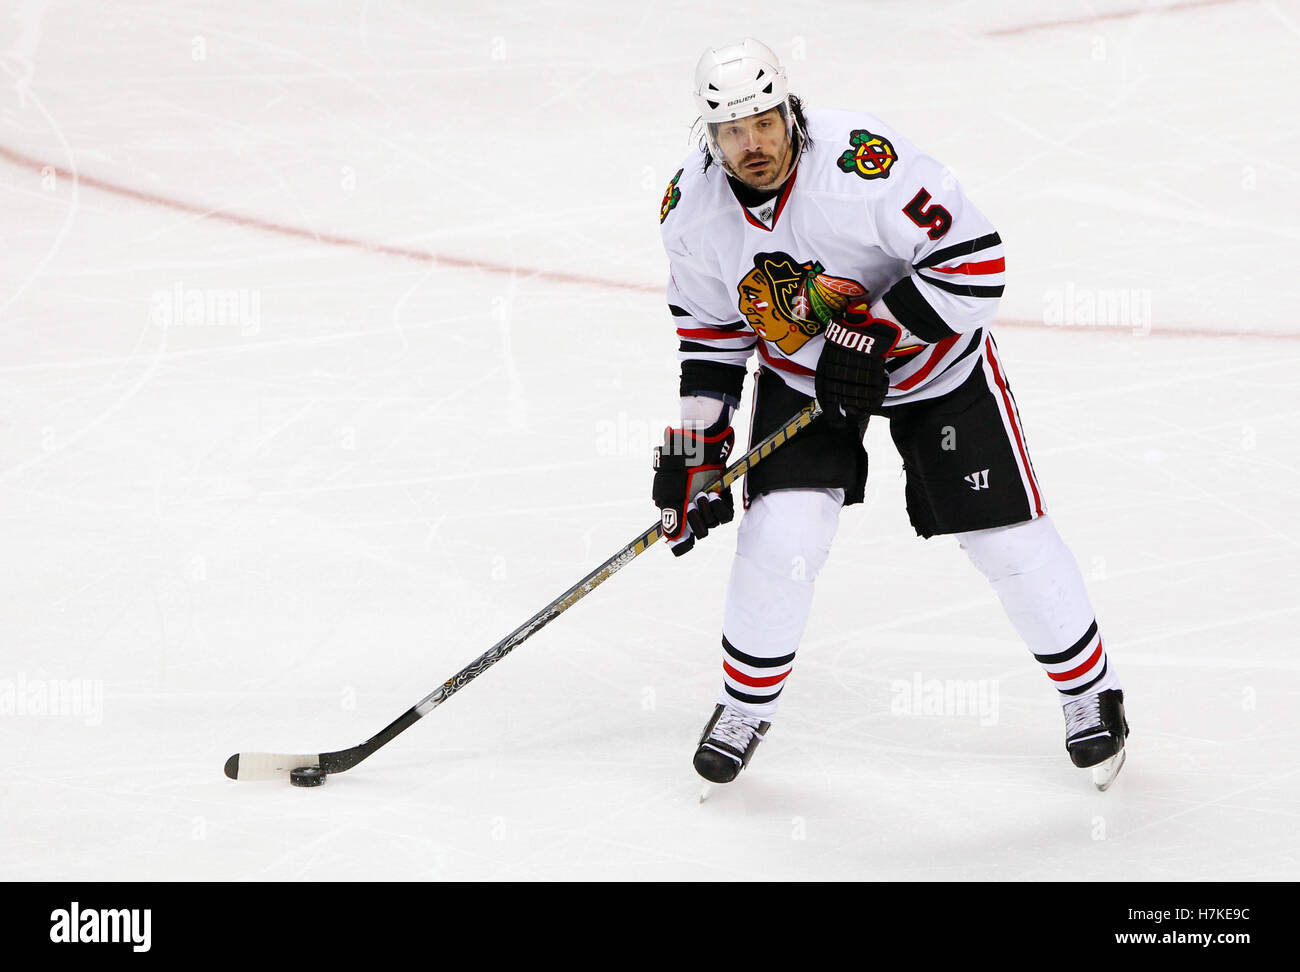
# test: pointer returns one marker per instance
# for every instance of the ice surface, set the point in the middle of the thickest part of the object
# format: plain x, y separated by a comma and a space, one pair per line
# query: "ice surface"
274, 524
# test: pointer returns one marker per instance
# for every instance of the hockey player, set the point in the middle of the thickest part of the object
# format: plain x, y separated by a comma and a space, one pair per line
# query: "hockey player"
856, 269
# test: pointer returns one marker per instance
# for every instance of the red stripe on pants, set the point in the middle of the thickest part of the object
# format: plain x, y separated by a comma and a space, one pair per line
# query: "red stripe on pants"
991, 356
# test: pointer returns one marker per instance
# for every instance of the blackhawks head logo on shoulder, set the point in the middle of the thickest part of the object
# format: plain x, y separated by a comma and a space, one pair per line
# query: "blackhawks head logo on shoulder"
671, 198
871, 156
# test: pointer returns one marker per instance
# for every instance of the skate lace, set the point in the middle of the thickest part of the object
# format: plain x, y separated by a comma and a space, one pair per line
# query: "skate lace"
1083, 714
735, 729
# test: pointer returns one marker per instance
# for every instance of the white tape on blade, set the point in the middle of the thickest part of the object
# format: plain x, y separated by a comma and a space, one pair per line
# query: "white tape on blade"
271, 766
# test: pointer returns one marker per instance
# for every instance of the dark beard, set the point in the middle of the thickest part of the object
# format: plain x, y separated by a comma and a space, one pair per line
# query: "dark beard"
748, 196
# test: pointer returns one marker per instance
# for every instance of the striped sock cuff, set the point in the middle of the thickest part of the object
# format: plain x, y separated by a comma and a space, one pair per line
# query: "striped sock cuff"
1080, 667
750, 679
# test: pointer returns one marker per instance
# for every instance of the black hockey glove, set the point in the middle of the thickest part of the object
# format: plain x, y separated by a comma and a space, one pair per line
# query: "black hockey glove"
686, 465
851, 379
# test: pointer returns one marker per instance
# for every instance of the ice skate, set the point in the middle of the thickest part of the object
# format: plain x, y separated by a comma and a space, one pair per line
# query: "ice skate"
727, 743
1095, 730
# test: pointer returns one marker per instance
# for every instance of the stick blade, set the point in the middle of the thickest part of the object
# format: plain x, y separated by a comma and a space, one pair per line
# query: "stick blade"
267, 766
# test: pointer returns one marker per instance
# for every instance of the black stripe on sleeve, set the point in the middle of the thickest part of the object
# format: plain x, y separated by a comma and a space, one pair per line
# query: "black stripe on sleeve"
696, 348
712, 378
896, 361
959, 249
977, 338
682, 312
733, 326
914, 313
962, 290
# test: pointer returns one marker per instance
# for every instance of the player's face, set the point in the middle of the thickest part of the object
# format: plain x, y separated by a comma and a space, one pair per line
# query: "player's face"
757, 149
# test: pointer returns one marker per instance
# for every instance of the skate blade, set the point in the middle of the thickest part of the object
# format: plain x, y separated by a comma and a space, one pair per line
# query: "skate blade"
1104, 773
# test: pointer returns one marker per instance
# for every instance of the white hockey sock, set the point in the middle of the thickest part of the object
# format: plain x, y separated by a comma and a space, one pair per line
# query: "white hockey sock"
781, 546
1042, 591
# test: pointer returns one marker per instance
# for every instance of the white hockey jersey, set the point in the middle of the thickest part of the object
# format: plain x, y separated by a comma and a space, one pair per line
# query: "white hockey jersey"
865, 215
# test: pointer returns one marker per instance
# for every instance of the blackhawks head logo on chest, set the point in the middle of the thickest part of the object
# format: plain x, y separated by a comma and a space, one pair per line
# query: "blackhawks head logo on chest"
788, 303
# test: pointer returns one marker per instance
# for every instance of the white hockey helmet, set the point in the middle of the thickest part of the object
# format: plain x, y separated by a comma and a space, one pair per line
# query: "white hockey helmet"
739, 81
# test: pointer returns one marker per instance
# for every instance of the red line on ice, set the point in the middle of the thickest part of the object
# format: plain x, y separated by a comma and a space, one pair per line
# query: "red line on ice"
331, 239
1097, 18
554, 276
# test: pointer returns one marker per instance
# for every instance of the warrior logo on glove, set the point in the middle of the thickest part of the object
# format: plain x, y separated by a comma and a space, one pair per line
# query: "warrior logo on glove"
853, 340
668, 520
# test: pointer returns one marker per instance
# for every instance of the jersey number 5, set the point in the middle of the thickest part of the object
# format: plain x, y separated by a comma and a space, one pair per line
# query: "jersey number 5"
936, 219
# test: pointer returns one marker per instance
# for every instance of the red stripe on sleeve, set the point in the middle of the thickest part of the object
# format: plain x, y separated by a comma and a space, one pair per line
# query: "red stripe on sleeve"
712, 334
940, 349
984, 266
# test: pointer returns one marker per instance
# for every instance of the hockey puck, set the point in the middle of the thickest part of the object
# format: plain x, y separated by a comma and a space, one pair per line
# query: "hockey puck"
307, 776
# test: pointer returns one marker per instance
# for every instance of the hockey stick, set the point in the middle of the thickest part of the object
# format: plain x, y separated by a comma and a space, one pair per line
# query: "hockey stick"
269, 766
